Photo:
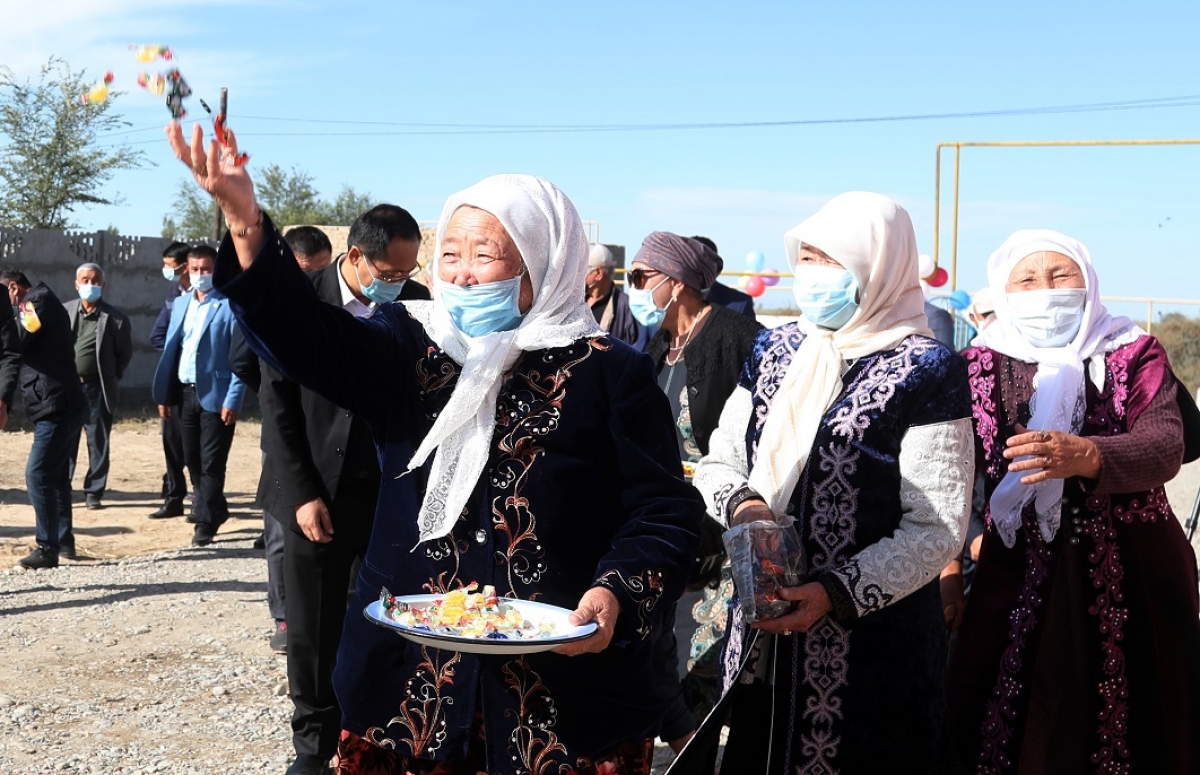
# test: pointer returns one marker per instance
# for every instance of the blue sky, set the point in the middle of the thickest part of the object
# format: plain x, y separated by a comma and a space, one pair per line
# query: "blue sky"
633, 63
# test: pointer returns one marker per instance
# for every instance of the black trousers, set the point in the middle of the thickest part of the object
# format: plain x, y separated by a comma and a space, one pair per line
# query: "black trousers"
175, 486
206, 443
97, 428
316, 577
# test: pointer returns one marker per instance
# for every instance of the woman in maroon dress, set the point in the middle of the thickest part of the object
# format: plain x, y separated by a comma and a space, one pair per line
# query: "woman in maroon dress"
1080, 646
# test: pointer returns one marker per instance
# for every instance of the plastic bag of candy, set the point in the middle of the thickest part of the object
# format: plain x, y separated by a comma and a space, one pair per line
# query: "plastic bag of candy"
765, 557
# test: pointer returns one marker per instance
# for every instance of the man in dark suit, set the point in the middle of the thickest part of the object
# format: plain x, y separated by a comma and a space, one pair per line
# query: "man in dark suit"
37, 342
941, 323
313, 252
719, 293
103, 349
312, 247
175, 486
326, 481
195, 374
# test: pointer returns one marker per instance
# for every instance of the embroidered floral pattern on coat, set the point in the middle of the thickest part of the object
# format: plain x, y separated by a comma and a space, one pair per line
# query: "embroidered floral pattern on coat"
533, 742
1106, 416
529, 408
421, 712
847, 498
645, 589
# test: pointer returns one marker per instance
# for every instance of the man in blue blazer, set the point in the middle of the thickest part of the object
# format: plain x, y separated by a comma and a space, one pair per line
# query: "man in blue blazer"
194, 374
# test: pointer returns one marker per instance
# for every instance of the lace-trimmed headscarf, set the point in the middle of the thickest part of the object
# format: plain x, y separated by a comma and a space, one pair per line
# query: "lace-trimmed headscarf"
549, 234
1058, 387
872, 237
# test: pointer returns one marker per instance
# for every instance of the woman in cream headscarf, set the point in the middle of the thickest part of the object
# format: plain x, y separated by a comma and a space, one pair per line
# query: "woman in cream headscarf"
856, 423
519, 447
1077, 653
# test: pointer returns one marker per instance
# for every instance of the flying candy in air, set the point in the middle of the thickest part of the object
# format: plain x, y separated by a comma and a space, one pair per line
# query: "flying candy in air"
28, 317
177, 90
156, 83
151, 52
99, 91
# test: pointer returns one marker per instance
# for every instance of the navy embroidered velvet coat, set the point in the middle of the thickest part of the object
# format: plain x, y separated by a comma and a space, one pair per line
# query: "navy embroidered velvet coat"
583, 488
880, 507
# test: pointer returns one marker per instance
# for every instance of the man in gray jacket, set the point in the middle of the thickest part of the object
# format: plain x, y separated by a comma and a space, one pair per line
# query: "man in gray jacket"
103, 348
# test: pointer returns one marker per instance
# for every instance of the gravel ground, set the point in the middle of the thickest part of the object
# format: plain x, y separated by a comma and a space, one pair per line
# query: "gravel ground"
144, 665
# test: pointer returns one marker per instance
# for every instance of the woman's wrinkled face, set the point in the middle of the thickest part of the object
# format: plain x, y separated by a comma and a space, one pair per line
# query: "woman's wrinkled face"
476, 248
1044, 271
810, 255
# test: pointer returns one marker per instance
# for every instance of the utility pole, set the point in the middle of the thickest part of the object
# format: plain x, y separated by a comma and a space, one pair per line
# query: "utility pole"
218, 226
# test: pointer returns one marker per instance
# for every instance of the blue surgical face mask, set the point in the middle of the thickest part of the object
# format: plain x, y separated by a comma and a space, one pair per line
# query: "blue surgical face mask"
484, 308
645, 311
170, 274
377, 290
827, 295
201, 282
90, 293
1049, 317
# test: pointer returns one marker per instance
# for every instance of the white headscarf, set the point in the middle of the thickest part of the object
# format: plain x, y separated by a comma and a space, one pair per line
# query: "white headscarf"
872, 237
547, 231
1058, 398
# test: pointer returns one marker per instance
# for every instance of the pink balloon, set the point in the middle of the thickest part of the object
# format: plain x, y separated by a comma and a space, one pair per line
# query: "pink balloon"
755, 286
771, 279
939, 278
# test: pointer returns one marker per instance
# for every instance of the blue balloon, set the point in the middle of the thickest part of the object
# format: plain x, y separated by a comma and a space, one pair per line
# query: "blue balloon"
960, 299
755, 261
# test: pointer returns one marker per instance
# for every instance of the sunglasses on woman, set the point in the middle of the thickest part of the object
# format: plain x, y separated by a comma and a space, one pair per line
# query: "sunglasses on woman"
638, 277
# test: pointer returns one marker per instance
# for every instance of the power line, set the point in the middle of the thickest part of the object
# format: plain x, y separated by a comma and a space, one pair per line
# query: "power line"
409, 129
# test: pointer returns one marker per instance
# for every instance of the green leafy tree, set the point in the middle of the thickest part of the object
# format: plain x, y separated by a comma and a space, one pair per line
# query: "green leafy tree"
1180, 337
288, 195
53, 158
346, 208
193, 214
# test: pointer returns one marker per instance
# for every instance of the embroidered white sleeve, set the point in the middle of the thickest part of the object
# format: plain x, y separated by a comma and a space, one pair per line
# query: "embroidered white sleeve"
937, 469
723, 471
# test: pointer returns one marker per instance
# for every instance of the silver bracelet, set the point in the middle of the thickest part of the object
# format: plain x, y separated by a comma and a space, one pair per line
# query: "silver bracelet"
248, 230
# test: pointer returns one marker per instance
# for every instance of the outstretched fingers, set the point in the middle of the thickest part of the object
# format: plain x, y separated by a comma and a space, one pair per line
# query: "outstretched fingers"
178, 145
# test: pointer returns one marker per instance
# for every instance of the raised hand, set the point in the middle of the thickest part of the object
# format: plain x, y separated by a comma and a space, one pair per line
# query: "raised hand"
217, 171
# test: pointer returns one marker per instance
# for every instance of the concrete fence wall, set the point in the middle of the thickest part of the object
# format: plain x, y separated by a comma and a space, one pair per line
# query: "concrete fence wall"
134, 283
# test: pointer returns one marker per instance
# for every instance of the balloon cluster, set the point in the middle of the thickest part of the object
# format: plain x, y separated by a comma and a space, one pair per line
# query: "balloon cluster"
930, 272
763, 278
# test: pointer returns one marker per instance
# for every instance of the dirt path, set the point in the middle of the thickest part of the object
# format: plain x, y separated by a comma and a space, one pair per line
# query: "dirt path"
122, 529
